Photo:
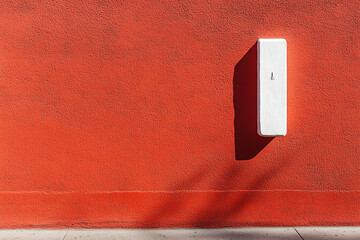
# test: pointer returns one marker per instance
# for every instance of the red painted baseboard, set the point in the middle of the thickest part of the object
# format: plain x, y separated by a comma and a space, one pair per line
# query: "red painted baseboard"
178, 209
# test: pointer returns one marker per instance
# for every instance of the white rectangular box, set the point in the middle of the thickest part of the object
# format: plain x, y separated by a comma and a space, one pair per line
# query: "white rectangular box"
272, 87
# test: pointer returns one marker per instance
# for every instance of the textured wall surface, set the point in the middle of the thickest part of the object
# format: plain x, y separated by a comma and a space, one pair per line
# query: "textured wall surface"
142, 114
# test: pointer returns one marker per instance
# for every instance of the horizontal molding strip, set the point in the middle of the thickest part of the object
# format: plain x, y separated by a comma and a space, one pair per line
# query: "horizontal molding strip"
178, 209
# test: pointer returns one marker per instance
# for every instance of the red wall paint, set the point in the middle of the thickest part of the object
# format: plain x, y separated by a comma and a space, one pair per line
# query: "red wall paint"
140, 114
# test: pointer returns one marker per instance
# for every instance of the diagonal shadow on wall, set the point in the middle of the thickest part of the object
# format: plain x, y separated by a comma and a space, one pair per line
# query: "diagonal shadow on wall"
247, 142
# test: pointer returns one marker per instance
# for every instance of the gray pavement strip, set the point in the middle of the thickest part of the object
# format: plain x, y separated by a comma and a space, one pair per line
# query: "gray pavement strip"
265, 233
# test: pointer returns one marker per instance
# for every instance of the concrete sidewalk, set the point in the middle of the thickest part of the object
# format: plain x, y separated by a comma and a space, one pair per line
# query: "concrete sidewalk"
287, 233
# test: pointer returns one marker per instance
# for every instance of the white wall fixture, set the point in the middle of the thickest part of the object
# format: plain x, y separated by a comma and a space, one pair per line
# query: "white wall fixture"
272, 89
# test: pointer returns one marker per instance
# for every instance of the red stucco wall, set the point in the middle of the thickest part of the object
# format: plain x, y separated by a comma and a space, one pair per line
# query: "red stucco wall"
142, 114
